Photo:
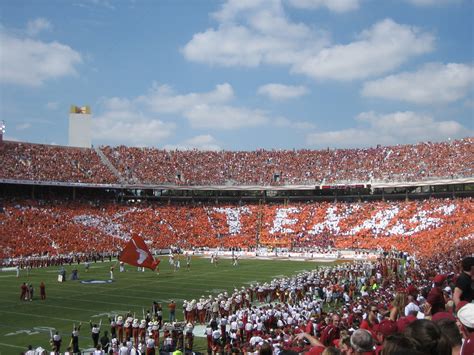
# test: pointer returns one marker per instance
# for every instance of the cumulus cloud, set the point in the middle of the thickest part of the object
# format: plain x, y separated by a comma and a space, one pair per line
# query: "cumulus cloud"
31, 62
129, 127
117, 104
92, 4
469, 103
254, 33
251, 33
283, 122
389, 129
52, 105
210, 109
34, 27
432, 2
139, 120
23, 126
6, 137
337, 6
225, 117
163, 99
282, 92
201, 142
381, 48
433, 83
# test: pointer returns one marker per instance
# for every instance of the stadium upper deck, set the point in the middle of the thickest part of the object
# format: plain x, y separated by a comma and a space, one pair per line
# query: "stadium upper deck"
150, 166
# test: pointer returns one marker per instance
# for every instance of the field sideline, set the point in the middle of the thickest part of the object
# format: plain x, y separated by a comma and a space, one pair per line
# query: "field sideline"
69, 303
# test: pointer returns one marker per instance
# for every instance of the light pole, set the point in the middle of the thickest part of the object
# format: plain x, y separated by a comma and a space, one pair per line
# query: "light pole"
2, 130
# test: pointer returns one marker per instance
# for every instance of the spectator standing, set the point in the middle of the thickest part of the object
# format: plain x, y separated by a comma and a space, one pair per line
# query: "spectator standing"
24, 289
56, 340
95, 332
75, 339
331, 332
42, 291
464, 283
466, 318
172, 311
436, 296
31, 291
105, 342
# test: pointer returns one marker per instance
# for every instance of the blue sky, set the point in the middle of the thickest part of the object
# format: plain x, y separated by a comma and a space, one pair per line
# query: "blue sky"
239, 74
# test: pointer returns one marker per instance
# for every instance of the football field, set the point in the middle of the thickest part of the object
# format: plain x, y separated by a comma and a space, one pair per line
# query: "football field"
30, 322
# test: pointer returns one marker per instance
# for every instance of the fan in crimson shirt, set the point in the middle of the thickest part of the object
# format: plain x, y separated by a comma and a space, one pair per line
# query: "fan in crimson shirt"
466, 318
331, 332
436, 296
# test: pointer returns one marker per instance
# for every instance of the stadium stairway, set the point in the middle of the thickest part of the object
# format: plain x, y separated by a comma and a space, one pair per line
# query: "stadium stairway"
108, 164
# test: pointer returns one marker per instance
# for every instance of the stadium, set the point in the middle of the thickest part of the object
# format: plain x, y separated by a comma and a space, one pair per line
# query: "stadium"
236, 177
280, 212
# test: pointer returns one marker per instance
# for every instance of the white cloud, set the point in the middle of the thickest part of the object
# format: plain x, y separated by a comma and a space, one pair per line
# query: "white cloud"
433, 83
23, 126
34, 27
52, 105
469, 103
432, 2
254, 33
282, 92
383, 47
129, 127
163, 99
283, 122
12, 138
31, 62
224, 117
137, 121
251, 33
95, 3
337, 6
203, 110
117, 104
201, 142
389, 129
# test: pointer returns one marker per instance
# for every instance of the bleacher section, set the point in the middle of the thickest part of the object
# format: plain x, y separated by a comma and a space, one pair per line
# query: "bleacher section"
149, 166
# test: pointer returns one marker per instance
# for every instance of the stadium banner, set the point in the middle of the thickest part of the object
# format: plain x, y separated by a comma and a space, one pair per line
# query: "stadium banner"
136, 253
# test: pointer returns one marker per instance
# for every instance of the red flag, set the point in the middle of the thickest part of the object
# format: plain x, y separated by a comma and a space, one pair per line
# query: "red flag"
137, 253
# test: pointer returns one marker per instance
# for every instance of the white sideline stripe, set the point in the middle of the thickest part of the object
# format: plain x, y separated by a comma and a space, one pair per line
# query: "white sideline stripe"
54, 306
42, 316
13, 346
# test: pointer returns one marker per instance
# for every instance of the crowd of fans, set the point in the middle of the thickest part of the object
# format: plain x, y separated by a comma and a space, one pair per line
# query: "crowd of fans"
396, 304
400, 163
415, 162
37, 162
353, 308
30, 228
391, 306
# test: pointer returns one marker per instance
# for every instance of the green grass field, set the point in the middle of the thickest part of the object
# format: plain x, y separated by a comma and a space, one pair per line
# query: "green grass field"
23, 323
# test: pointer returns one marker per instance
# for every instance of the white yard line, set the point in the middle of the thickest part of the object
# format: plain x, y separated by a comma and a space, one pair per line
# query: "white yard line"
41, 316
13, 346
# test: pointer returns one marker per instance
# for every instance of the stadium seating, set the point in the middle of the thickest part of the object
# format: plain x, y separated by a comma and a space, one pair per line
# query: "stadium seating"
421, 227
36, 162
261, 167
